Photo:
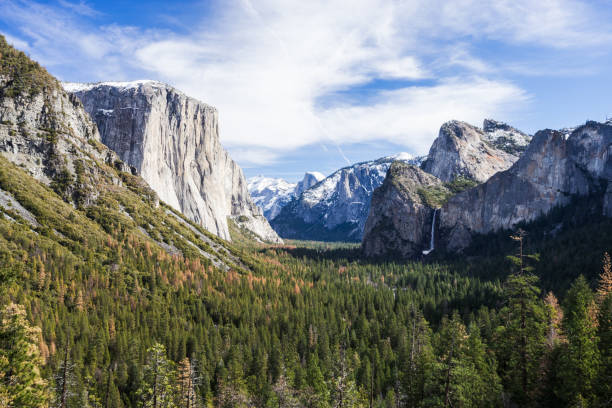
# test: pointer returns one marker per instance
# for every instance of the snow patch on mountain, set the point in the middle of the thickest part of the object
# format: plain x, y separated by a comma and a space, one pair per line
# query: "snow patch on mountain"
272, 194
336, 208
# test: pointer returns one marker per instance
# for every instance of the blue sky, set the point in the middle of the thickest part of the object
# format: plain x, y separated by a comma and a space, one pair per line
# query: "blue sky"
317, 85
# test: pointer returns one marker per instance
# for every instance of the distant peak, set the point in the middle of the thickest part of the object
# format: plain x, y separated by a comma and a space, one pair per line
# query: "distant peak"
402, 156
318, 176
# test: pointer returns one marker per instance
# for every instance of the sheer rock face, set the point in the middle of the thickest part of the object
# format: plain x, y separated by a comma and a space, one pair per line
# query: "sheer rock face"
465, 150
172, 142
399, 222
553, 168
400, 218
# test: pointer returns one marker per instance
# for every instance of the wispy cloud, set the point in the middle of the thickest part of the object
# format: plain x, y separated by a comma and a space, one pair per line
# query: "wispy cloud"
80, 8
265, 64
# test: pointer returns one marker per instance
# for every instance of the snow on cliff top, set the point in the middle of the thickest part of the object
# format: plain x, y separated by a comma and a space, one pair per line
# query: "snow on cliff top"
81, 86
318, 176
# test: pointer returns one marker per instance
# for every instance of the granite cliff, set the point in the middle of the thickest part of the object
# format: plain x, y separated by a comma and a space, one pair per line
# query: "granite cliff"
401, 216
556, 166
553, 169
61, 184
172, 142
461, 157
465, 150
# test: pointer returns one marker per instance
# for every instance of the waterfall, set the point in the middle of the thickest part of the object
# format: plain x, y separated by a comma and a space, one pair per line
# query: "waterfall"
433, 233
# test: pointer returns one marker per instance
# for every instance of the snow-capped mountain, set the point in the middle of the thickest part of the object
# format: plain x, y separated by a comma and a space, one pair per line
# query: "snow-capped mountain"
336, 208
272, 194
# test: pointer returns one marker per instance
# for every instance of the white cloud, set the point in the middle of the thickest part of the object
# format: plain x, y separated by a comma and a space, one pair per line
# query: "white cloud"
81, 8
265, 64
411, 116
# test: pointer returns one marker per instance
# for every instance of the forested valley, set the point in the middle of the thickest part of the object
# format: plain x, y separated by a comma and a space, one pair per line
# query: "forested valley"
100, 317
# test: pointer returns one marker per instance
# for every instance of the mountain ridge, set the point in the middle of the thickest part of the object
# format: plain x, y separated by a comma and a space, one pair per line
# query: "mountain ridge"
554, 167
335, 209
272, 194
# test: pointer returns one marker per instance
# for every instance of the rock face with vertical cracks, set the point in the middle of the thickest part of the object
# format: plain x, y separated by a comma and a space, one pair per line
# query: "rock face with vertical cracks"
400, 217
553, 168
172, 141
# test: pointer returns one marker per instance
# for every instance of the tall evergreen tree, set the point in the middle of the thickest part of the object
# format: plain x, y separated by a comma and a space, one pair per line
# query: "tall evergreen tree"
416, 360
580, 357
318, 393
604, 287
464, 375
188, 382
20, 361
520, 340
344, 390
604, 333
65, 380
158, 388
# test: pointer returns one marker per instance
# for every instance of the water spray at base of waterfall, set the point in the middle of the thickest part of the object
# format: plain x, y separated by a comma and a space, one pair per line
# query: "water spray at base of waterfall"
431, 241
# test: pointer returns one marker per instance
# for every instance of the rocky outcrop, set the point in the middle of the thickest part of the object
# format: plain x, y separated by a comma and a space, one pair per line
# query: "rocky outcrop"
461, 157
336, 208
48, 133
553, 169
172, 141
400, 220
272, 194
465, 150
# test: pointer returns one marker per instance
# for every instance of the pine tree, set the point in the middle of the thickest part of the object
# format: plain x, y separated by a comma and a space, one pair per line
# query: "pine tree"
417, 359
6, 400
580, 357
344, 389
158, 388
21, 360
465, 374
604, 332
520, 341
555, 317
318, 393
485, 385
64, 380
285, 395
232, 389
554, 342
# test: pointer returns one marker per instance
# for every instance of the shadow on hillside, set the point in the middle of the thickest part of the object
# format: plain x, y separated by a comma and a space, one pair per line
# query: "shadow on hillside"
321, 251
